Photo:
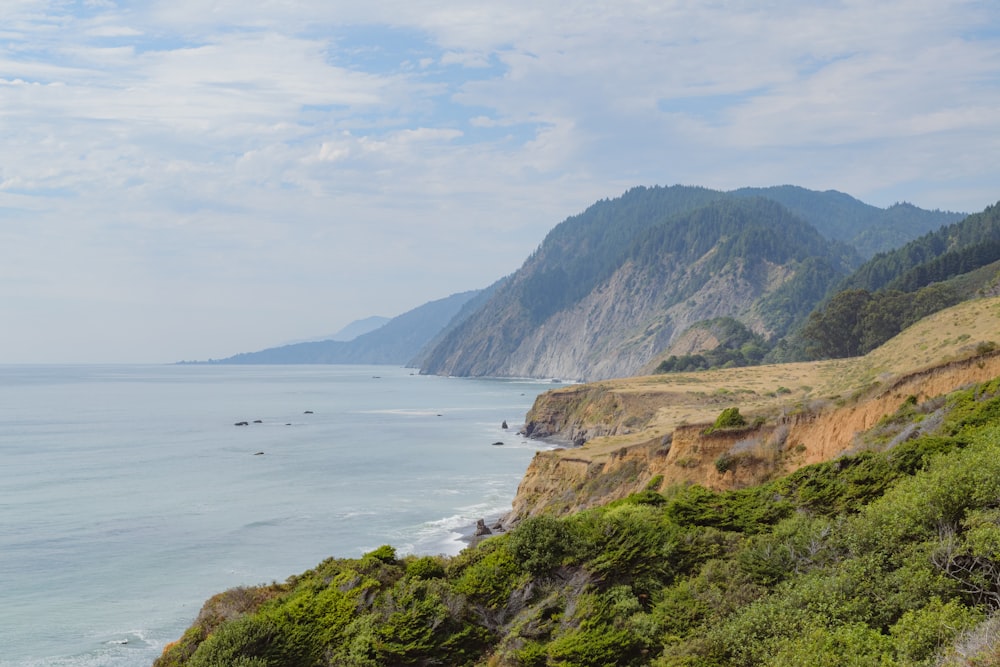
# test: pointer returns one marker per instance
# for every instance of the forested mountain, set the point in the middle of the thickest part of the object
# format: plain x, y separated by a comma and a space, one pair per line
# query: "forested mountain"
868, 229
897, 288
610, 288
396, 342
935, 256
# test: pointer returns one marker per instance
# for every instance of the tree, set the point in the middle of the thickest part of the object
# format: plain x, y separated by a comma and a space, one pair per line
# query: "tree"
836, 331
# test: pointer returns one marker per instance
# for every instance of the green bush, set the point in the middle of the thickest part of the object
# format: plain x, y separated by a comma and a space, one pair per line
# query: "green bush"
729, 418
920, 633
425, 567
539, 544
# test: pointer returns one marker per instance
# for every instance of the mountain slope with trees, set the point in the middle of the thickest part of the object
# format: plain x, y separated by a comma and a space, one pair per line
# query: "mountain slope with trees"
895, 289
868, 229
602, 295
608, 290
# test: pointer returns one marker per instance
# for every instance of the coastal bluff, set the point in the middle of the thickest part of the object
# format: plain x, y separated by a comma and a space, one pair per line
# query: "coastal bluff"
623, 435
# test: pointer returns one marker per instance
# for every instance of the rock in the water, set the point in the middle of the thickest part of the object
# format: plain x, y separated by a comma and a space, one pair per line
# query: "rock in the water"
498, 443
481, 529
504, 425
241, 424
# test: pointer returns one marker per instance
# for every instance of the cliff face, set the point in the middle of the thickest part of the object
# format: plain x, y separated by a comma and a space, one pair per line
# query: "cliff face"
750, 260
632, 317
620, 458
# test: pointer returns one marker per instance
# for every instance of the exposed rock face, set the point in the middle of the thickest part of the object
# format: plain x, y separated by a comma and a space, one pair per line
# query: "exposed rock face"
617, 328
564, 481
577, 310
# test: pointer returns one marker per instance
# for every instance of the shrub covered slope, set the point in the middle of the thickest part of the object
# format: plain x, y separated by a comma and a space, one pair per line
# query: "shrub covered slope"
887, 557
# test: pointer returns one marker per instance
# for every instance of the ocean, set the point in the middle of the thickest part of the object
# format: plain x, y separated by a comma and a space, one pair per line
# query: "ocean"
128, 494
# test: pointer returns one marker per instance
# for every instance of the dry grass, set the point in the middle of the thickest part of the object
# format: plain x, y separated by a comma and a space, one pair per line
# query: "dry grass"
692, 398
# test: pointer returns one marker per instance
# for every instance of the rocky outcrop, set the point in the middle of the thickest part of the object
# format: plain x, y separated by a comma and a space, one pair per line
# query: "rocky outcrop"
565, 481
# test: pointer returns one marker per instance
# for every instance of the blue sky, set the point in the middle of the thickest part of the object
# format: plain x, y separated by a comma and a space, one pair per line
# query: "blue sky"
185, 180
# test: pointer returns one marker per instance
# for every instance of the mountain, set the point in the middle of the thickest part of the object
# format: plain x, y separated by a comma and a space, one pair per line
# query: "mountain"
360, 328
938, 255
349, 332
395, 342
468, 309
868, 229
609, 289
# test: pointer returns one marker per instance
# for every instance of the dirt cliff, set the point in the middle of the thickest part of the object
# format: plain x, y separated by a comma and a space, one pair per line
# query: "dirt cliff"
655, 429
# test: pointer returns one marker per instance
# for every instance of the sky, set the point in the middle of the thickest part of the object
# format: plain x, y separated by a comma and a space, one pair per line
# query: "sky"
187, 179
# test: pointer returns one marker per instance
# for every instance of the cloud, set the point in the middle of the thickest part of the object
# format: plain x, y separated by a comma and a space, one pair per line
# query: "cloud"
372, 156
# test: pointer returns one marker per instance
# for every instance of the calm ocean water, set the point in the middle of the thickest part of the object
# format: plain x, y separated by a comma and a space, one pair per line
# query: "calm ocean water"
128, 496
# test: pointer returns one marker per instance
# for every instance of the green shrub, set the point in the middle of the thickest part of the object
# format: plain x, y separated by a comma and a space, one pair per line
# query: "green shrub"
425, 567
492, 578
248, 641
725, 463
920, 633
385, 553
539, 544
729, 418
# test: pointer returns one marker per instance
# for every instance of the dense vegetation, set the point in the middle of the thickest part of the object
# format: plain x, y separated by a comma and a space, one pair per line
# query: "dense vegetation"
737, 346
885, 557
868, 229
895, 289
935, 256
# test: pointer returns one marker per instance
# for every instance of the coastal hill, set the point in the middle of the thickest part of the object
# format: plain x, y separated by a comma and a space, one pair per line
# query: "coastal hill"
806, 413
830, 512
611, 288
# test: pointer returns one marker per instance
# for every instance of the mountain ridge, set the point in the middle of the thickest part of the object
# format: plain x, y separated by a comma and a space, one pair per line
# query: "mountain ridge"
397, 341
731, 257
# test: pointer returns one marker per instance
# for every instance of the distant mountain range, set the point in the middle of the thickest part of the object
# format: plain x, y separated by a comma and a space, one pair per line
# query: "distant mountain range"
610, 290
395, 342
349, 332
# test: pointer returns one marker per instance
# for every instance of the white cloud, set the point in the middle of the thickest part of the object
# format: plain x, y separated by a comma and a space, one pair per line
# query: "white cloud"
208, 156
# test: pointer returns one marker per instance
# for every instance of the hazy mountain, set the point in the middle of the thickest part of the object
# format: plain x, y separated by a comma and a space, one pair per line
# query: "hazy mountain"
360, 328
349, 332
395, 342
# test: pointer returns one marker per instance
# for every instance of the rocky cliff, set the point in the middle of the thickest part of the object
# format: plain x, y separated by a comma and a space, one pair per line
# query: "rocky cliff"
602, 302
656, 429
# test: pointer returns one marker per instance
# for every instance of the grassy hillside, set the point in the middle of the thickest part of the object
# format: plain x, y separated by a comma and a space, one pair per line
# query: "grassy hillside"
691, 398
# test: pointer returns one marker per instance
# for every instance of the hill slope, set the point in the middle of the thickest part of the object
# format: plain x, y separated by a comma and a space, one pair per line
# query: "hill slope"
820, 404
895, 289
868, 229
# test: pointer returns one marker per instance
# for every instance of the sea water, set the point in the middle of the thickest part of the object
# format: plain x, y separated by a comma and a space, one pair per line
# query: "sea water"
128, 494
